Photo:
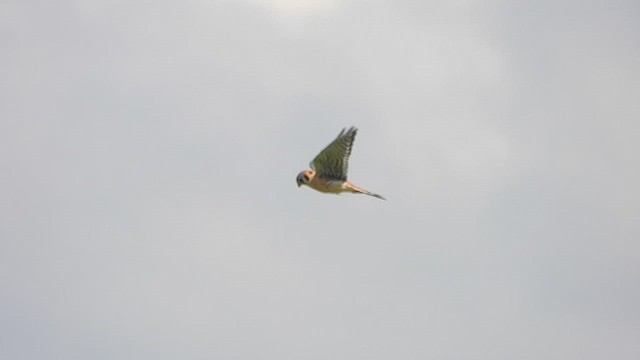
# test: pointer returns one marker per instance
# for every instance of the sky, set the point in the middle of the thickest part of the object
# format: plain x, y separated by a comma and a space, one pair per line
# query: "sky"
149, 208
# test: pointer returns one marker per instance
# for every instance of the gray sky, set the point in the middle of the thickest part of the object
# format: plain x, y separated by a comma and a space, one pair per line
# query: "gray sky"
149, 151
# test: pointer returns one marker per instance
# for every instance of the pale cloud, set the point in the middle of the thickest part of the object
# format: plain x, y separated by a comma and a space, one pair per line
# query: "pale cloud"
290, 9
149, 153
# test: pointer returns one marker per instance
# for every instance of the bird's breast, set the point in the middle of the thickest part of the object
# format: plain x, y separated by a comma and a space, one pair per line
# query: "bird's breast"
327, 186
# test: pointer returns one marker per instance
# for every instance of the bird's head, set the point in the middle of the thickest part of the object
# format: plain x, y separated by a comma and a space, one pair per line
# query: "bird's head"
304, 178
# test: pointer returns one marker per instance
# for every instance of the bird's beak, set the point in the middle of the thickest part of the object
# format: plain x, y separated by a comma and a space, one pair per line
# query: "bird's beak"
299, 184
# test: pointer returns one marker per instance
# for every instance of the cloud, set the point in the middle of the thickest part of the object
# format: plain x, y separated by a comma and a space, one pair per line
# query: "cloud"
149, 155
289, 9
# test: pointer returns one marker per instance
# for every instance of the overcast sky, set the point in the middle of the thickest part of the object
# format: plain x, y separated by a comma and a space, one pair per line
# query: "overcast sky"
149, 209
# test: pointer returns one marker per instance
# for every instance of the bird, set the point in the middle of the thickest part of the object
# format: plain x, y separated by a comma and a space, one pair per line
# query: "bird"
328, 172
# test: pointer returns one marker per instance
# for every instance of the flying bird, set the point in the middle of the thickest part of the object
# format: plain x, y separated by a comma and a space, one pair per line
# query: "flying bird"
328, 172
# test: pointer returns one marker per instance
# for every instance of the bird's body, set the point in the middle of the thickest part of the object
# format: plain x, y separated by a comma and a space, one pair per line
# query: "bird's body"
325, 186
328, 172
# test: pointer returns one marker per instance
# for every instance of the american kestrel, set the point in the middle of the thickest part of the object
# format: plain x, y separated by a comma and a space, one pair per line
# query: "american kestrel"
328, 172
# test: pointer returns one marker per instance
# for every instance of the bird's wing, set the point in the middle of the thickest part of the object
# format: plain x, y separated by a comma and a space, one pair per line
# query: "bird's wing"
333, 162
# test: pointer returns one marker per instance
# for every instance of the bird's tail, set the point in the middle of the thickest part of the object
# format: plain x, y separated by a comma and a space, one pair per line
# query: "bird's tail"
358, 190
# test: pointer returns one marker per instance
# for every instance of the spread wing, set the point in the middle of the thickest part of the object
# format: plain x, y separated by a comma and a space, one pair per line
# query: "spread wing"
333, 162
